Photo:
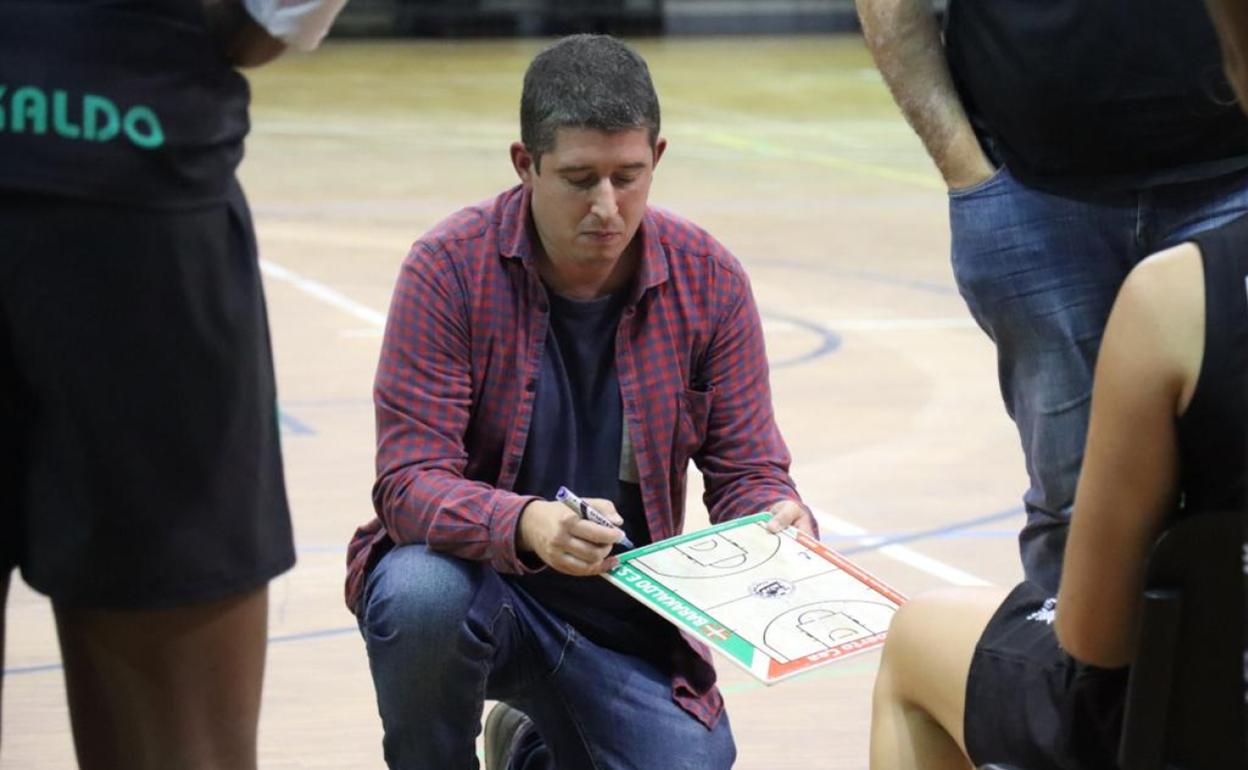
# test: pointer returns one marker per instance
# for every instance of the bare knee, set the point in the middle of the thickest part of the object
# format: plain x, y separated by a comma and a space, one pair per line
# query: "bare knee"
928, 653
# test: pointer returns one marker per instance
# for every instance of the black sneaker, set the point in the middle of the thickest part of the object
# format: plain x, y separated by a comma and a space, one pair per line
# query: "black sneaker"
505, 728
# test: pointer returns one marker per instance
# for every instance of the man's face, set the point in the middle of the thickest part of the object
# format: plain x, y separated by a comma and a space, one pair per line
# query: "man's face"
590, 195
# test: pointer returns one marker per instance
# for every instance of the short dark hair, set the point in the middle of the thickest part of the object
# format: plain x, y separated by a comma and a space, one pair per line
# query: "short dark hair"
586, 81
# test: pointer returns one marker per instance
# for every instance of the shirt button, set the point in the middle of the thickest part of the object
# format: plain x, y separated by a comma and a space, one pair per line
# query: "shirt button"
531, 385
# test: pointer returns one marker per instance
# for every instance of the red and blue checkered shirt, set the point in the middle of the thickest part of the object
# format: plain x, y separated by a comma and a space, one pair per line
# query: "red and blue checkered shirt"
455, 389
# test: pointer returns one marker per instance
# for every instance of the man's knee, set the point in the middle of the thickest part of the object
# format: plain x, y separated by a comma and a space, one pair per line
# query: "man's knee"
416, 592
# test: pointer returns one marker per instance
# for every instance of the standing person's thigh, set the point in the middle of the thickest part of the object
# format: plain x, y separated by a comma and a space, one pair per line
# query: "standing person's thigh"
1187, 209
604, 709
151, 506
1039, 272
169, 689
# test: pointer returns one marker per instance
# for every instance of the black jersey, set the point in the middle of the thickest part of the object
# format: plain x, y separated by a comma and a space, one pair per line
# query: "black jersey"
129, 101
1108, 94
1212, 444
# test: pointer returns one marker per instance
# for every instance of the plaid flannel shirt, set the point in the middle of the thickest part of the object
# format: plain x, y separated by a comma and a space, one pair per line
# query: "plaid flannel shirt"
455, 387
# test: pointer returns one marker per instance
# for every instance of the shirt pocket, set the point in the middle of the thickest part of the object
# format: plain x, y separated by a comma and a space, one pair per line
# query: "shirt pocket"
694, 410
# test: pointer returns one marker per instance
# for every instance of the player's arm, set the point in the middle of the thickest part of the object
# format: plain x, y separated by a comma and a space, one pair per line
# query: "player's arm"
255, 32
243, 41
905, 42
1230, 19
1145, 373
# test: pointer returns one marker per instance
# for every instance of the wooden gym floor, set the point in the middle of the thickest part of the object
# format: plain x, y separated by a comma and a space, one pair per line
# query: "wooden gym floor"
790, 151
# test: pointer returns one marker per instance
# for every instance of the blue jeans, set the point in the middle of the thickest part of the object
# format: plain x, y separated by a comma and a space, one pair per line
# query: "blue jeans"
444, 634
1039, 273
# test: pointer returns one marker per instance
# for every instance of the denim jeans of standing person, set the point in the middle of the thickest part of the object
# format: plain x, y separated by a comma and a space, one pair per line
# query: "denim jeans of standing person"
1039, 272
444, 634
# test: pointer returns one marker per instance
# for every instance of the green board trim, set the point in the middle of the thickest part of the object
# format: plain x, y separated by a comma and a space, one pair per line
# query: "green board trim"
734, 646
663, 545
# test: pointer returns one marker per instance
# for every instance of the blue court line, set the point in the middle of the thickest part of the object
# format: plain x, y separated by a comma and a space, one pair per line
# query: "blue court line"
829, 341
330, 403
321, 634
879, 542
873, 546
32, 669
296, 637
293, 424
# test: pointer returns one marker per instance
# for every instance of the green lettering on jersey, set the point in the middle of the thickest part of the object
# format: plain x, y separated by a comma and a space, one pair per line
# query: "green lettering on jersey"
95, 109
60, 116
98, 120
29, 105
151, 136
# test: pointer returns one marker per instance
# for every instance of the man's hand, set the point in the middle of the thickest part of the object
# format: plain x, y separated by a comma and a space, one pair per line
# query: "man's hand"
565, 541
967, 170
790, 513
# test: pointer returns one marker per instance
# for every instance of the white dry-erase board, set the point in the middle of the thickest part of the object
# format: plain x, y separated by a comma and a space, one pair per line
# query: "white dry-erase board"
777, 604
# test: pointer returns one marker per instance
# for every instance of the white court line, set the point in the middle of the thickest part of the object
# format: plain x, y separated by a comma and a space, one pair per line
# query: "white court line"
908, 556
877, 324
323, 293
827, 522
899, 324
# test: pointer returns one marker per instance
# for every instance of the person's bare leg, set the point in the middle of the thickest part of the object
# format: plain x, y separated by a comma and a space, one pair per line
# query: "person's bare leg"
920, 691
174, 689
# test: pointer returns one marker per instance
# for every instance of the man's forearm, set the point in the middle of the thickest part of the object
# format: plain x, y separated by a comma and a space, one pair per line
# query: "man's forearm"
467, 519
1230, 18
905, 42
242, 40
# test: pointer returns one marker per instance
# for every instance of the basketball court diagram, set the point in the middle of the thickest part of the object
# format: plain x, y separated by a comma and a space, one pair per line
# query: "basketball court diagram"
778, 604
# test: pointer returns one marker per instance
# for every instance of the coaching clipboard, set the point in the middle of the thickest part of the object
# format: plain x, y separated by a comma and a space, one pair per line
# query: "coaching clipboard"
776, 604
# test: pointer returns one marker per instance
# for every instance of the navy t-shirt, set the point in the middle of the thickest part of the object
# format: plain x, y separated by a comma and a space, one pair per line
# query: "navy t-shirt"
577, 439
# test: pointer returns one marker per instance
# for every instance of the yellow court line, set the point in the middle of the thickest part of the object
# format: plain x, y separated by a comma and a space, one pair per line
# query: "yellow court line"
769, 150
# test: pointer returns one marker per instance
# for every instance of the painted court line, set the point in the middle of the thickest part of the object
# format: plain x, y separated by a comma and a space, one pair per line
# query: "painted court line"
828, 524
323, 293
908, 556
872, 324
899, 324
878, 542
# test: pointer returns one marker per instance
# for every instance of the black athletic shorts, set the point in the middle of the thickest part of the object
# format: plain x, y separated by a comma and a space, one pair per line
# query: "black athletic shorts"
1030, 704
138, 416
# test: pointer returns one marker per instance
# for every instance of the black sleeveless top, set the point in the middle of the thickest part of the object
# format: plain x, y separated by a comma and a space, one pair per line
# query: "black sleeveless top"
1212, 443
127, 101
1100, 94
